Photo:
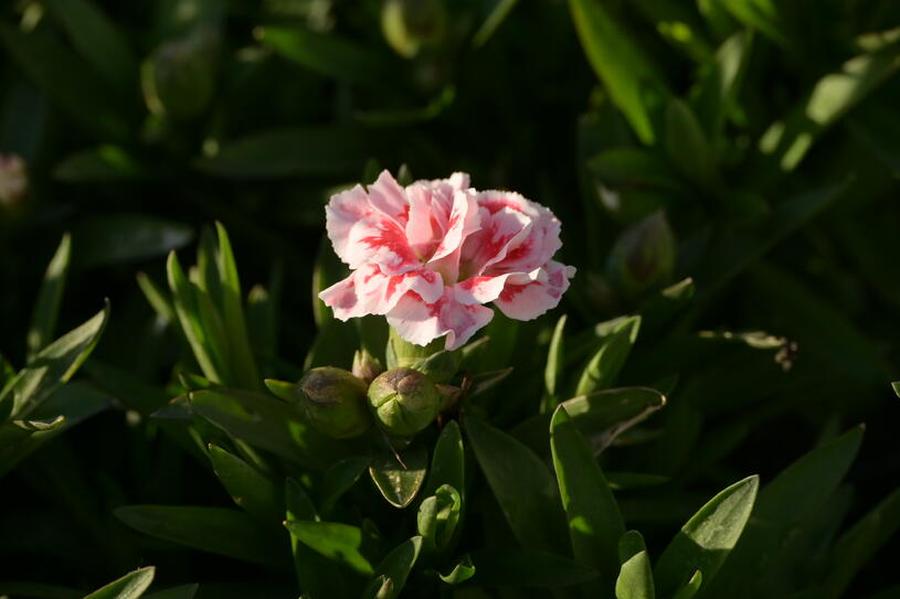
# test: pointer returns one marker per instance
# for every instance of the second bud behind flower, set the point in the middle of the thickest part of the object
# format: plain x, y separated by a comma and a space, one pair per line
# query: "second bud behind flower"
404, 401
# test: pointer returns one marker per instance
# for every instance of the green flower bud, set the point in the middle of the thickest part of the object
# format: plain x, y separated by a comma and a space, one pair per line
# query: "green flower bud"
13, 180
331, 399
366, 366
643, 257
404, 401
178, 80
409, 24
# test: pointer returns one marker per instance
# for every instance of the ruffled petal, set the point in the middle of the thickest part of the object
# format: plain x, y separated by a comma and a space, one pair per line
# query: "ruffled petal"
527, 296
370, 291
420, 322
386, 196
345, 210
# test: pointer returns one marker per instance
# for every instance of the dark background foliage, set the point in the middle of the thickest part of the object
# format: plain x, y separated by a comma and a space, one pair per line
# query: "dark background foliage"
268, 107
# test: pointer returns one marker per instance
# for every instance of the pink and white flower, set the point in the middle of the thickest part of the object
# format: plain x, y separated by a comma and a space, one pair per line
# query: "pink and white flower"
430, 255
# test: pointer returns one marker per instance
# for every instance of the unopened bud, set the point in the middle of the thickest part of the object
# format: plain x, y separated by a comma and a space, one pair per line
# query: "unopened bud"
366, 366
643, 257
331, 399
404, 401
178, 79
13, 180
409, 24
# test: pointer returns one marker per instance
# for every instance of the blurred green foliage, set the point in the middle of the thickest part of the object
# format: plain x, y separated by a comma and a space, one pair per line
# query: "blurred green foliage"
726, 174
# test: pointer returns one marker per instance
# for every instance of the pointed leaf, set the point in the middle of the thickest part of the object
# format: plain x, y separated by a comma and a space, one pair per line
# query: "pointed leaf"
595, 523
616, 340
130, 586
249, 488
461, 572
334, 540
635, 579
51, 367
216, 530
46, 309
520, 481
631, 79
555, 362
395, 567
708, 537
399, 481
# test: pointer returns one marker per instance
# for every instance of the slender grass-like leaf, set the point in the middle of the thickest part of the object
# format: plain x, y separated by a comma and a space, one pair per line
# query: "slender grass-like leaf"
594, 522
553, 369
130, 586
51, 367
788, 141
617, 337
448, 462
185, 302
46, 309
633, 81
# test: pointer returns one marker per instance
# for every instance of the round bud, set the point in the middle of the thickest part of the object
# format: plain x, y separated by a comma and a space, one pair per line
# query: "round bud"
332, 400
404, 401
643, 257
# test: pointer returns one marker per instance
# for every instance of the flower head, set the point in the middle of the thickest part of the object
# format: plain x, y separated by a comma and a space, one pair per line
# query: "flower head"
430, 255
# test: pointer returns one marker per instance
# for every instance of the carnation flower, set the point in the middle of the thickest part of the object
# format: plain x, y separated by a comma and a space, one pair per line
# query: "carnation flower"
430, 255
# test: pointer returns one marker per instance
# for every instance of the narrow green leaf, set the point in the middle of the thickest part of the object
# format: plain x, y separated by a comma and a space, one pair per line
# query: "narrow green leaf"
856, 547
290, 152
595, 524
399, 481
395, 568
266, 423
187, 310
495, 18
339, 542
635, 579
156, 297
632, 80
98, 40
788, 141
520, 481
687, 146
328, 55
103, 164
215, 530
555, 357
130, 586
517, 568
707, 538
249, 488
46, 309
797, 492
319, 577
64, 408
448, 463
339, 478
719, 85
762, 15
616, 340
51, 367
235, 325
